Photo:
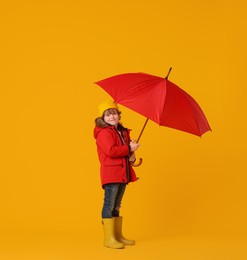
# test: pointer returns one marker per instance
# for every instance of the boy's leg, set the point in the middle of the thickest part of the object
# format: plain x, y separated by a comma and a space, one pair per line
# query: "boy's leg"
118, 200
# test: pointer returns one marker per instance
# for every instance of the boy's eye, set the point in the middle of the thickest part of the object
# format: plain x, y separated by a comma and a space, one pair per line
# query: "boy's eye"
108, 114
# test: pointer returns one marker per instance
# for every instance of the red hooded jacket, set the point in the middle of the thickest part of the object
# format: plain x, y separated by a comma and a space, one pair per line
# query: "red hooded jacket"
113, 152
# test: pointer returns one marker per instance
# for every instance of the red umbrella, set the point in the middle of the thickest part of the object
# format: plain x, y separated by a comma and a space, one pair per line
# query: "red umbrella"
157, 99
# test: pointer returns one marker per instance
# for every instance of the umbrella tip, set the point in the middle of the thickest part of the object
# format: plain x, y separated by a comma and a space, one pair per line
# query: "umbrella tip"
168, 73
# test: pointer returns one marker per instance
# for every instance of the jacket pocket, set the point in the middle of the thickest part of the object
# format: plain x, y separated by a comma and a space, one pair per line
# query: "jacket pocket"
112, 162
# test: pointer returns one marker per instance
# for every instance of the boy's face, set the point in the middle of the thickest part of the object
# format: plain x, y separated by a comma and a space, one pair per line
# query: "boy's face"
111, 117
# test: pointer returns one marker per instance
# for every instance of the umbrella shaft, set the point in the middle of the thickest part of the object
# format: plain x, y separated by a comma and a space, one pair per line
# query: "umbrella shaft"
142, 131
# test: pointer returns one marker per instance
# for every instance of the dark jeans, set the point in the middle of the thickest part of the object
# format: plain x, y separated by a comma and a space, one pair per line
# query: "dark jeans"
112, 201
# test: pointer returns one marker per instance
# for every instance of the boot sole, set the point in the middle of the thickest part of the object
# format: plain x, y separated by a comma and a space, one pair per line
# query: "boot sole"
114, 247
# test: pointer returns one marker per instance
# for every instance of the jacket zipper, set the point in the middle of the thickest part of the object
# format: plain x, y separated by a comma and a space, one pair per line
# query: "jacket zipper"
126, 159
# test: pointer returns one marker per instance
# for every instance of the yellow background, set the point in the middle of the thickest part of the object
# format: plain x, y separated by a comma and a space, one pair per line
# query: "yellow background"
51, 54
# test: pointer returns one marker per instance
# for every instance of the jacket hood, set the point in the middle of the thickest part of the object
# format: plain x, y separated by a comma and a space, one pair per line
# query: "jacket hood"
97, 129
100, 124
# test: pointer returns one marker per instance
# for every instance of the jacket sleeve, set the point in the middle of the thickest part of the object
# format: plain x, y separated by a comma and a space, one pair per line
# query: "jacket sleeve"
107, 143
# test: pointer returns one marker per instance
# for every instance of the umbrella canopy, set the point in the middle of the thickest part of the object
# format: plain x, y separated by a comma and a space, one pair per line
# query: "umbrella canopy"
157, 99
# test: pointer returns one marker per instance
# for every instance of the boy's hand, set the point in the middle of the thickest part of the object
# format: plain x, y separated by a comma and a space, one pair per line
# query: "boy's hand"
132, 158
133, 146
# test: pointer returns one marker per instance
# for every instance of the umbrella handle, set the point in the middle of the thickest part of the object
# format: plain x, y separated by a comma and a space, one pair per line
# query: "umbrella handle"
140, 160
137, 164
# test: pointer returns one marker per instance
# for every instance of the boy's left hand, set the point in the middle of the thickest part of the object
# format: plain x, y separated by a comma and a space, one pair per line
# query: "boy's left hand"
132, 158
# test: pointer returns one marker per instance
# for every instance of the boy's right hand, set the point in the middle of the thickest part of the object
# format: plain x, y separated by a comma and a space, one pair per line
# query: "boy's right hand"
133, 146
